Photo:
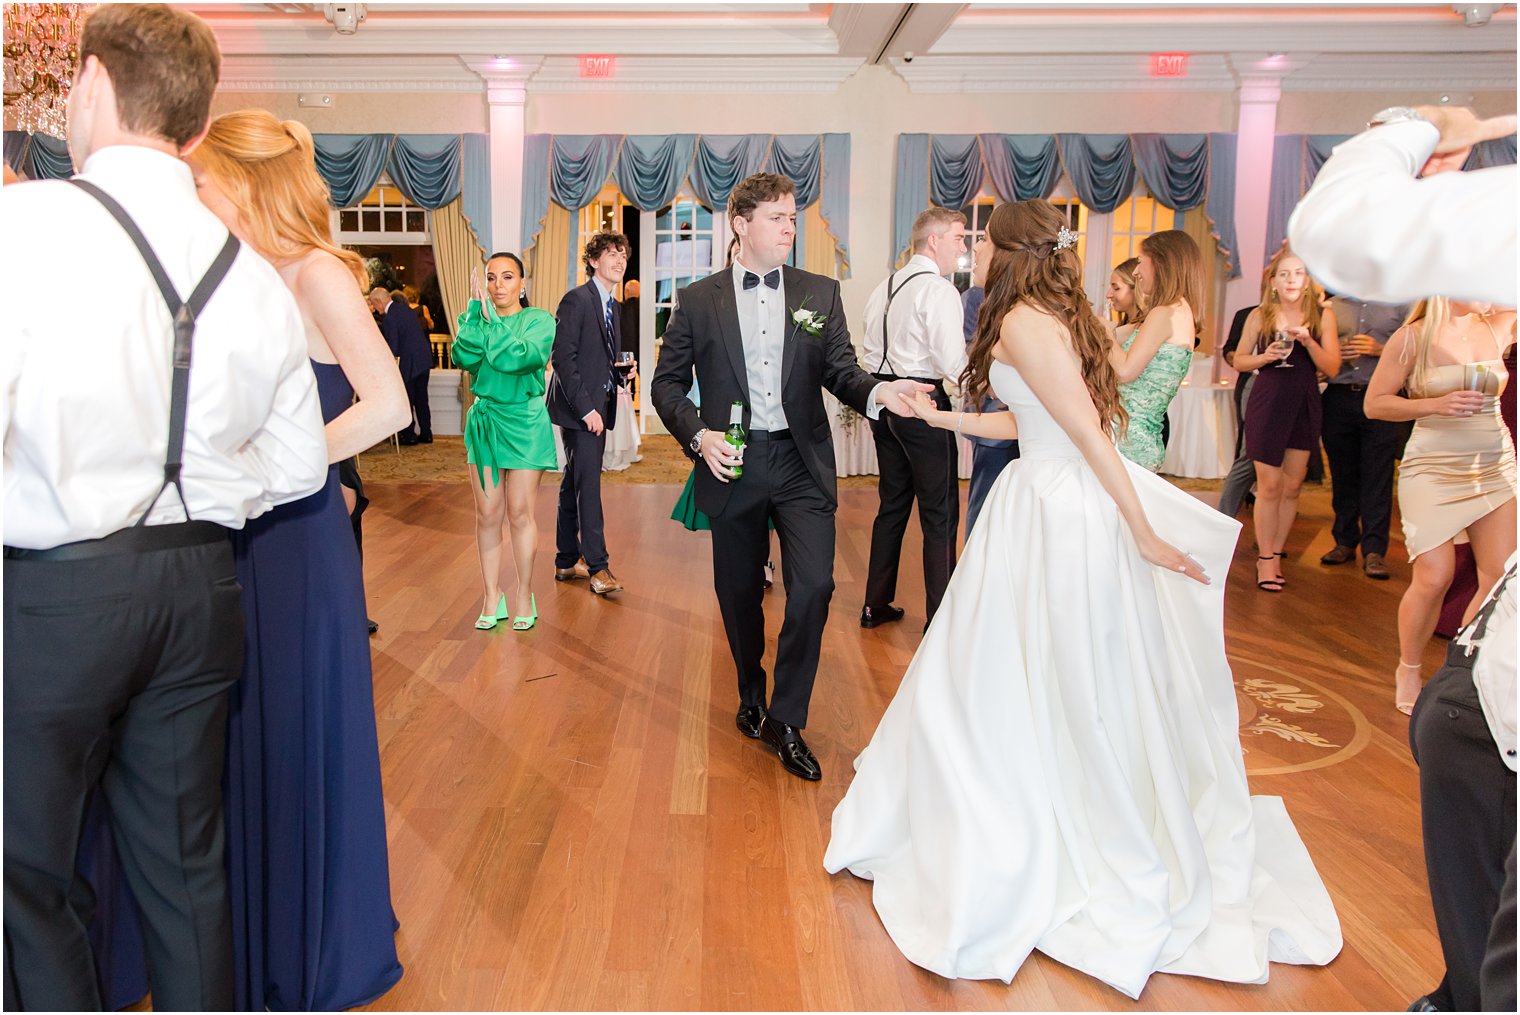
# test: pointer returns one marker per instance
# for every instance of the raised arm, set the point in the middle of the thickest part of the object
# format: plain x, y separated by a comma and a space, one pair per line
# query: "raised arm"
1052, 371
1384, 400
327, 292
1159, 326
1369, 228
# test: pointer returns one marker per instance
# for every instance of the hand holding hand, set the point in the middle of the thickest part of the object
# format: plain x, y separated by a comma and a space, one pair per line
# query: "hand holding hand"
921, 405
594, 422
1162, 554
1364, 345
1459, 403
721, 456
893, 395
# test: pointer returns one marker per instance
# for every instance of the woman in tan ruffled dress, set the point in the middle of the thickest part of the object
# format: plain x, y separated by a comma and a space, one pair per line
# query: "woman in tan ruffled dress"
1457, 480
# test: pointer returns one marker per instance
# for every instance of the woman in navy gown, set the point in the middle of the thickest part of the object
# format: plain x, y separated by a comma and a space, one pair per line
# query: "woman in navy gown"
313, 927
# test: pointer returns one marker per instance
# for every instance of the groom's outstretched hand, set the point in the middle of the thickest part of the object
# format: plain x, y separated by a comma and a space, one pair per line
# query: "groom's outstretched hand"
720, 456
893, 395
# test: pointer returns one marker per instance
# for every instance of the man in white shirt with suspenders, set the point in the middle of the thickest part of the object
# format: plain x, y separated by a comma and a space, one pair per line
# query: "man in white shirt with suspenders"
913, 330
141, 422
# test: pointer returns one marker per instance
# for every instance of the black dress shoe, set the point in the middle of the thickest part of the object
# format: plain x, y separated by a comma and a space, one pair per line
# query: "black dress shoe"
1422, 1003
373, 627
749, 719
871, 616
425, 439
406, 442
789, 746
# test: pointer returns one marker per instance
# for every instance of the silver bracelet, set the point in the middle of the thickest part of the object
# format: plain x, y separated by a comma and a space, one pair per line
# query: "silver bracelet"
959, 421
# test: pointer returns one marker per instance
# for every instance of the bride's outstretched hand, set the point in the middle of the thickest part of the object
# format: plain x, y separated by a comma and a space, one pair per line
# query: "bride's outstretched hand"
921, 405
1164, 555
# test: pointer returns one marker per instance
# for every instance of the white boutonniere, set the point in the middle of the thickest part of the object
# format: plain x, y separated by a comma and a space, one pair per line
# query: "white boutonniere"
809, 321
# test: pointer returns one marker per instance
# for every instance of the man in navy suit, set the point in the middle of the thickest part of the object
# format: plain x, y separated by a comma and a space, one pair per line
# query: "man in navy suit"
403, 333
582, 400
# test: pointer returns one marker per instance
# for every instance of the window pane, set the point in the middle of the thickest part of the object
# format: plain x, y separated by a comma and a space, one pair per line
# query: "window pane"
348, 220
371, 220
392, 221
1124, 216
416, 221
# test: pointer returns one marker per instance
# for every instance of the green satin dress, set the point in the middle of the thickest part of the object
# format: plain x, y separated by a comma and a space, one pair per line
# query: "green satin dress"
508, 424
1146, 399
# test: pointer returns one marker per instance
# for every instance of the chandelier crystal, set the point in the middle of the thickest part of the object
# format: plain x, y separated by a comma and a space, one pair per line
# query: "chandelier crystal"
41, 54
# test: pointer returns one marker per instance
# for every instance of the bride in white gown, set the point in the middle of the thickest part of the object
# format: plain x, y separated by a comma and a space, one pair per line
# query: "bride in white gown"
1061, 767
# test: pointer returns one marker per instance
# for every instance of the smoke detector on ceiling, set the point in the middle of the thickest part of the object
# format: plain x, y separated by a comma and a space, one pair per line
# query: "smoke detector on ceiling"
1476, 15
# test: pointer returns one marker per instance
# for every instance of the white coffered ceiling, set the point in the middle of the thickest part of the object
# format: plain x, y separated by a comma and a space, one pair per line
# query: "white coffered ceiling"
815, 46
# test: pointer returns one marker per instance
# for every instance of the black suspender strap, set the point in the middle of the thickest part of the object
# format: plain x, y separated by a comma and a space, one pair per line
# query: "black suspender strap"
184, 313
891, 292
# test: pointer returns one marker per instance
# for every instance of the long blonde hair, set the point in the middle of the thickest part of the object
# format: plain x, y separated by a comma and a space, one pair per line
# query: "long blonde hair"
1312, 301
1423, 324
268, 169
1028, 268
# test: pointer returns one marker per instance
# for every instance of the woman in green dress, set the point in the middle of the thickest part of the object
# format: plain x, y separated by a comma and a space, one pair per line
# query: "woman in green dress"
1153, 354
504, 345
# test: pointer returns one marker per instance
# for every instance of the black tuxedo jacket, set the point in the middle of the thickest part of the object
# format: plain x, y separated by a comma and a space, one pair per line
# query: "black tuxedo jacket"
703, 334
582, 363
403, 333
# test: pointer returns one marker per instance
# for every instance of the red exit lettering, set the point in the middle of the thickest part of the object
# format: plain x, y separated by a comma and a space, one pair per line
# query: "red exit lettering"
1169, 65
597, 66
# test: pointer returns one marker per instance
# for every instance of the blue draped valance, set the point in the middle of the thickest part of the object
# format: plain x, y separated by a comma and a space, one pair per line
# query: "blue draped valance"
430, 169
1181, 171
1296, 161
649, 170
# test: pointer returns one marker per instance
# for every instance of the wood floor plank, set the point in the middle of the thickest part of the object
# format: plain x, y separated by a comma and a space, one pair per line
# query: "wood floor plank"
574, 822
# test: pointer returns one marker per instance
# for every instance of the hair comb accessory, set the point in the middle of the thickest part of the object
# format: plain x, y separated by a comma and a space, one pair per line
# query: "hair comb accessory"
1065, 238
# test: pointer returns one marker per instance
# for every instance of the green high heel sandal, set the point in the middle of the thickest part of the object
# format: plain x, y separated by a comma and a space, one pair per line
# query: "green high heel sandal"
487, 621
526, 623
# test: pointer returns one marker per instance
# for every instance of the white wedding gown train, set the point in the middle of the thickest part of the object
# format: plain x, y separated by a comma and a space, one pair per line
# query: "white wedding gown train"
1061, 766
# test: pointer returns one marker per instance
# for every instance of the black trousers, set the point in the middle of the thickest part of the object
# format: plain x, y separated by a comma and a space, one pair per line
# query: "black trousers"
776, 485
1362, 454
917, 462
1467, 810
578, 529
417, 394
1499, 963
116, 675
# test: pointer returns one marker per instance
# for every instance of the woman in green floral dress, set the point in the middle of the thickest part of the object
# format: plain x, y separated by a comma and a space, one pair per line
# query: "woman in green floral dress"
504, 345
1152, 355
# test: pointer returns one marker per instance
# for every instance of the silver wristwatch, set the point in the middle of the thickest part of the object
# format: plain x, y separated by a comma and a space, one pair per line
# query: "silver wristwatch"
696, 442
1395, 114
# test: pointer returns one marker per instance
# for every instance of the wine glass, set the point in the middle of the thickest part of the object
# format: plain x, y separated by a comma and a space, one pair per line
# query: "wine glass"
624, 363
1282, 340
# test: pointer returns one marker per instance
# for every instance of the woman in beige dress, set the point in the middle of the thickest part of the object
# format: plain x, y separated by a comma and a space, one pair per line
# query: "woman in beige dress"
1457, 480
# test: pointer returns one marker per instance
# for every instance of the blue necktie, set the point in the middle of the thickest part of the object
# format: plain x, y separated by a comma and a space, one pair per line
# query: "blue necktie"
607, 337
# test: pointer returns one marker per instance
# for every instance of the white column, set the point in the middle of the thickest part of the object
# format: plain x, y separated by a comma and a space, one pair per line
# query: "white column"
1260, 77
506, 83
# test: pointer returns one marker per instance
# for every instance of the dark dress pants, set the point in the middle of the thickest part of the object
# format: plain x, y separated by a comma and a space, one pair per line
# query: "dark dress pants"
1467, 810
1362, 454
417, 394
987, 464
116, 675
776, 485
578, 531
916, 462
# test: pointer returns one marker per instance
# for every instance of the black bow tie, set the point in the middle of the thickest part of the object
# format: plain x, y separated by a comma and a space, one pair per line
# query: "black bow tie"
773, 279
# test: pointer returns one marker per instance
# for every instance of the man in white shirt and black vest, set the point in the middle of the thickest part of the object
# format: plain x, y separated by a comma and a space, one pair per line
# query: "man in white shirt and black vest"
913, 330
141, 423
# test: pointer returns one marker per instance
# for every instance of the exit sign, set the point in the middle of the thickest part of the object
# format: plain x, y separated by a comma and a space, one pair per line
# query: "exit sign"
597, 66
1169, 65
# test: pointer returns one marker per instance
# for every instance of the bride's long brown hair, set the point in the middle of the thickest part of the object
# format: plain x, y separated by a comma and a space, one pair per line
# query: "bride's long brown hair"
1027, 268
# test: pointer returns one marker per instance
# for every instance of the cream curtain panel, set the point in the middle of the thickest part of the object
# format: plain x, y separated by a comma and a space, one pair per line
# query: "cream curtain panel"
456, 254
549, 262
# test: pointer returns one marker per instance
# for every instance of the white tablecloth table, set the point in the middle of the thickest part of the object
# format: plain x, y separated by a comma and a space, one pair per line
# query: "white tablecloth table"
1202, 440
622, 443
855, 448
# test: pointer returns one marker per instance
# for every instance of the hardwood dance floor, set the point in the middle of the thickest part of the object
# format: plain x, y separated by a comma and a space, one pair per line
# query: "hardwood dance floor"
575, 823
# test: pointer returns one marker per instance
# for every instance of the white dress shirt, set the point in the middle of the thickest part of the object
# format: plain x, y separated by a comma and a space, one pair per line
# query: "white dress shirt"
924, 327
1494, 669
762, 325
85, 361
1369, 228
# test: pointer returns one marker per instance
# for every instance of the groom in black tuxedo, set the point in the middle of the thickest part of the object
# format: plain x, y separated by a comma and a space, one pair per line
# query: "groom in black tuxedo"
743, 332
